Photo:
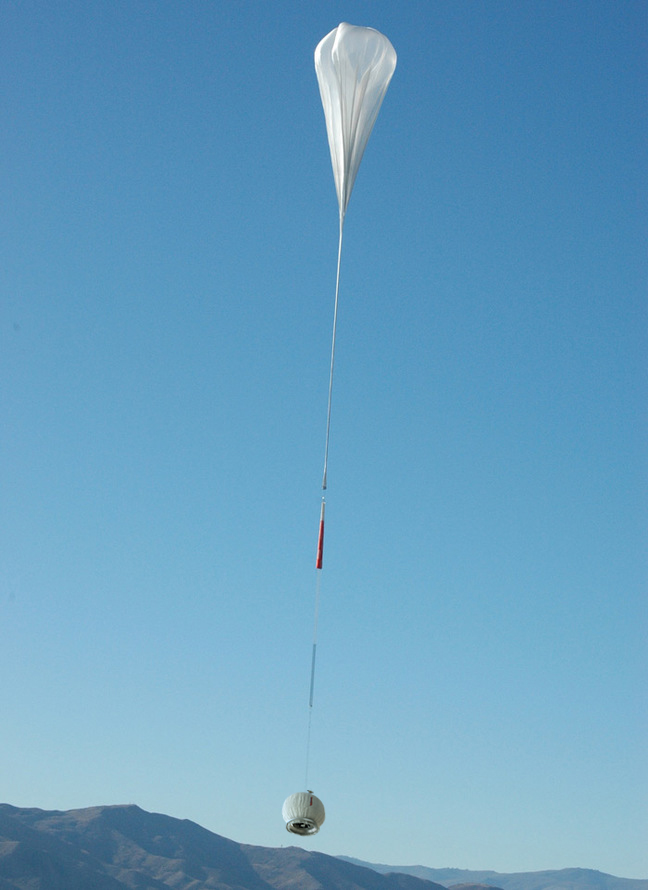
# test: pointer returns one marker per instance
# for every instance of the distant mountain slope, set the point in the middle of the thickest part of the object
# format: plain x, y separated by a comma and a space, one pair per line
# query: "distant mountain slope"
475, 887
110, 848
563, 879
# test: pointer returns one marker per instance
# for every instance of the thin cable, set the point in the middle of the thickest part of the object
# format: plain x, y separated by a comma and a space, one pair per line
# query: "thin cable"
320, 540
312, 677
330, 390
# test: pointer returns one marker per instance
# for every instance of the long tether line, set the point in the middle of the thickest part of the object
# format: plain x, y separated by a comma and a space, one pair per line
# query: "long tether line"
312, 679
320, 539
330, 390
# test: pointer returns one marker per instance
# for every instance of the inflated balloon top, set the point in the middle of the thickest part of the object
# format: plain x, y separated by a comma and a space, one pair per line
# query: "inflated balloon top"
354, 66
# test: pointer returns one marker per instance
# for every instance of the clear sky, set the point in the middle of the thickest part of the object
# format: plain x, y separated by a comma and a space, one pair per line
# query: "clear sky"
169, 236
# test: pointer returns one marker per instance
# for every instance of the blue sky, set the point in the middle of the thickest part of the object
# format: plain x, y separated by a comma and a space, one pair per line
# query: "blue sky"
169, 237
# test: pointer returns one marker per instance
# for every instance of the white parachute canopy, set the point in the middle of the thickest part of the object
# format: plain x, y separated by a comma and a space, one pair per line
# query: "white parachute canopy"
354, 66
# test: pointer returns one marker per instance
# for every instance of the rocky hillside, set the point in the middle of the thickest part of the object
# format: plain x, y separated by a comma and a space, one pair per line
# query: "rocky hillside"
110, 848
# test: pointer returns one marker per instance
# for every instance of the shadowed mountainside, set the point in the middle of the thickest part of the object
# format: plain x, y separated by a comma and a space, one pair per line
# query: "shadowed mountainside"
110, 848
113, 847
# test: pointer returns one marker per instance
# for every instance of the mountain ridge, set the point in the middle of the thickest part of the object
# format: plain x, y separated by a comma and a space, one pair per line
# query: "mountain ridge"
550, 879
114, 847
122, 846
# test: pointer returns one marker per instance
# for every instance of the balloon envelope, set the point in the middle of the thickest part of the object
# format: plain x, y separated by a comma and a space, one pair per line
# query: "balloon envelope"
303, 813
354, 66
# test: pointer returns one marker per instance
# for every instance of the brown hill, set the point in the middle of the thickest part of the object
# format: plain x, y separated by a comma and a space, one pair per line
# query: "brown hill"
110, 848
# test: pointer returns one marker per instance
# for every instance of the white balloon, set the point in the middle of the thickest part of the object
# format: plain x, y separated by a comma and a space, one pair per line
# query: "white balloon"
354, 67
303, 813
